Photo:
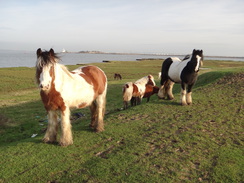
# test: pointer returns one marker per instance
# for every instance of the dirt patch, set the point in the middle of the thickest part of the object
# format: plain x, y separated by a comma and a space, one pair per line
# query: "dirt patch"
4, 120
232, 79
125, 119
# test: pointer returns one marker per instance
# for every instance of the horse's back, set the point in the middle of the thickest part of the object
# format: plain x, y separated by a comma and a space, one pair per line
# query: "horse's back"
146, 80
94, 76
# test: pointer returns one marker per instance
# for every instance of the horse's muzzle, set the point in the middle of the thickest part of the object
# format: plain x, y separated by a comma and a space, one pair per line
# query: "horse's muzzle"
44, 87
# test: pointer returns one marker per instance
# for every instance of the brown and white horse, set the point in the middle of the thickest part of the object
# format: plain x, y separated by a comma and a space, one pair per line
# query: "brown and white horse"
134, 92
61, 90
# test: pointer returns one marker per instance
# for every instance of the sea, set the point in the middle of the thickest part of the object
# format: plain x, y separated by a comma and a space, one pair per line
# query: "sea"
10, 58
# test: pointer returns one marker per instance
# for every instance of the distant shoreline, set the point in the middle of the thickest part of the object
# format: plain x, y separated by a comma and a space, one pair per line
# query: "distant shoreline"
120, 53
154, 54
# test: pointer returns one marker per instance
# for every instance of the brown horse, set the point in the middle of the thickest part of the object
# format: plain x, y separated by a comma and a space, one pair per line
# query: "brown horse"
117, 76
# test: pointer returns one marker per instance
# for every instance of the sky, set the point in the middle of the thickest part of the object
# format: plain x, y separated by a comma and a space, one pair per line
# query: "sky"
128, 26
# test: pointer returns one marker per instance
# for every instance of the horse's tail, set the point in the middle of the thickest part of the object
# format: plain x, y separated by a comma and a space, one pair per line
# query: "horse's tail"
127, 91
165, 70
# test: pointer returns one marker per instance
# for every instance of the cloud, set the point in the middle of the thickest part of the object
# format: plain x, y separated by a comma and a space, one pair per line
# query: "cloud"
113, 25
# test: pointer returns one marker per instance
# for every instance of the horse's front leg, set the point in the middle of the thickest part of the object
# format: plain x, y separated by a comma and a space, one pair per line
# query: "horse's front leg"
52, 129
183, 94
66, 137
188, 94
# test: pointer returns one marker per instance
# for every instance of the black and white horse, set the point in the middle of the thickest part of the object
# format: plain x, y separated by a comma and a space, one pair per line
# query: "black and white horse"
183, 71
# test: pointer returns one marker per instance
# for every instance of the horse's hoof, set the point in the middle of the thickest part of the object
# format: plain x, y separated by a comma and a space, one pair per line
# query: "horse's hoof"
65, 144
163, 98
99, 130
48, 141
183, 104
92, 126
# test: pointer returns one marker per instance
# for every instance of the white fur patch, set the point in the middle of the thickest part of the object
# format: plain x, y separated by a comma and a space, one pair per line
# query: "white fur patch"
73, 88
198, 63
175, 69
45, 78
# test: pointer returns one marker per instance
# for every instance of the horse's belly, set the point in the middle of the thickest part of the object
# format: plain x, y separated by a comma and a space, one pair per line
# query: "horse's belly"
79, 98
80, 102
174, 75
175, 70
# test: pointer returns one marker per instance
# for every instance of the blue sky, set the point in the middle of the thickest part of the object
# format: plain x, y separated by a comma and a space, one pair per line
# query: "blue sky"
143, 26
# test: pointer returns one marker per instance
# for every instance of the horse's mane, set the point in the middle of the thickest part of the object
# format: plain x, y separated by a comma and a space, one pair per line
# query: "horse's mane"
65, 70
46, 57
186, 57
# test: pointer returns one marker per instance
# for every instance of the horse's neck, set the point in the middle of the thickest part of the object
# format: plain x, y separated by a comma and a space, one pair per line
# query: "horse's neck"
194, 64
62, 75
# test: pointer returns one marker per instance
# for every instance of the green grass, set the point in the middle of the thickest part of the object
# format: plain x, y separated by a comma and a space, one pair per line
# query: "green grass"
159, 141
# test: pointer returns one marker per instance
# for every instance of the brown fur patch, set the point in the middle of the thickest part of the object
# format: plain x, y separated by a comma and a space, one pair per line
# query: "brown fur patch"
83, 105
136, 92
150, 82
95, 77
150, 90
52, 99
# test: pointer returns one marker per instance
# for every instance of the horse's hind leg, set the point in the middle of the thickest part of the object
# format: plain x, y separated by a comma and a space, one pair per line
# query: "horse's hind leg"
162, 92
138, 100
52, 129
66, 137
164, 84
125, 104
133, 101
93, 109
100, 111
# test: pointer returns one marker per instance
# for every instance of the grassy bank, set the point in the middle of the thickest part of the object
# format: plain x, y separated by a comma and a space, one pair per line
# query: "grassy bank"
159, 141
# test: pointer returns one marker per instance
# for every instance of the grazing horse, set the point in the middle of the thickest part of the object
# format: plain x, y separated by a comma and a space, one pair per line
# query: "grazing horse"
134, 91
185, 72
61, 90
150, 90
117, 76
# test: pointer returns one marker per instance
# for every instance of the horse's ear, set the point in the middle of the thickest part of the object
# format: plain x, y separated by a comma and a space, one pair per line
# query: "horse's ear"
194, 51
38, 52
51, 52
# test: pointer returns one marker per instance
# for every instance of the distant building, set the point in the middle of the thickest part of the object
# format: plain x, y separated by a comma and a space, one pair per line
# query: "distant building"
64, 51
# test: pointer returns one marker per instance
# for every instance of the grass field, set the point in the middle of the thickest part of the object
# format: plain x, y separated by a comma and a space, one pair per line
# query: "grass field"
159, 141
